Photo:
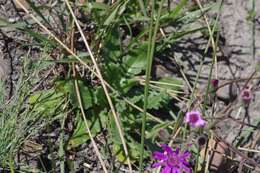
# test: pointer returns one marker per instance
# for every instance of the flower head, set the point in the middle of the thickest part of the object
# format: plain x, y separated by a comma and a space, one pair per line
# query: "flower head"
202, 140
246, 95
194, 119
172, 161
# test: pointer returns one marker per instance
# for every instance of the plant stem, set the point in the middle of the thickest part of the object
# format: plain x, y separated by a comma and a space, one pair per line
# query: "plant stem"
141, 4
150, 53
11, 165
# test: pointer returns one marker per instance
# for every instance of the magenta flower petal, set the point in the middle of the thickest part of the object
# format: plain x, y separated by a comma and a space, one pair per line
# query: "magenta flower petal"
175, 170
186, 169
167, 148
166, 169
200, 123
159, 156
186, 154
177, 151
172, 161
157, 164
194, 119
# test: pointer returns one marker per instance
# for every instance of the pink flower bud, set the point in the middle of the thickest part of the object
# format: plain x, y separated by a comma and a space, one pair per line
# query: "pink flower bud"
246, 95
214, 83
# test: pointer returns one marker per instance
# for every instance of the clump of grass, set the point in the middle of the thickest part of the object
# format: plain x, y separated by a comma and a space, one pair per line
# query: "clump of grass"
18, 119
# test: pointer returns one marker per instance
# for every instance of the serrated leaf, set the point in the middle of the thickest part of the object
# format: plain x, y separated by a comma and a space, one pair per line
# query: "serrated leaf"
127, 84
157, 99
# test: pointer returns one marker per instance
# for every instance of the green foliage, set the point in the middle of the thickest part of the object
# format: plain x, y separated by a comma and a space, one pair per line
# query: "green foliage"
126, 46
170, 83
96, 120
135, 61
87, 93
46, 102
21, 118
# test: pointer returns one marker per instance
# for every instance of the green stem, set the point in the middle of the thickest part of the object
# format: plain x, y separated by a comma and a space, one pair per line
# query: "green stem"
11, 165
141, 4
150, 53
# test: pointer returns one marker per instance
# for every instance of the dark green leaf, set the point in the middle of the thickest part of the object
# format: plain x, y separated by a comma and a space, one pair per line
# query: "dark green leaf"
135, 61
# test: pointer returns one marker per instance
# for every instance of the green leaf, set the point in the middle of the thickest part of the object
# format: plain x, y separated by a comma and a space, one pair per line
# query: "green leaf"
133, 152
127, 84
96, 120
112, 45
157, 99
111, 17
170, 83
115, 13
135, 61
79, 135
87, 93
100, 6
117, 148
114, 130
101, 97
174, 13
46, 101
113, 74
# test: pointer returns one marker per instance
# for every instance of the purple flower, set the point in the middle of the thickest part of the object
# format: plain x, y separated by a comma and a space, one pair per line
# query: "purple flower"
194, 119
172, 161
246, 95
